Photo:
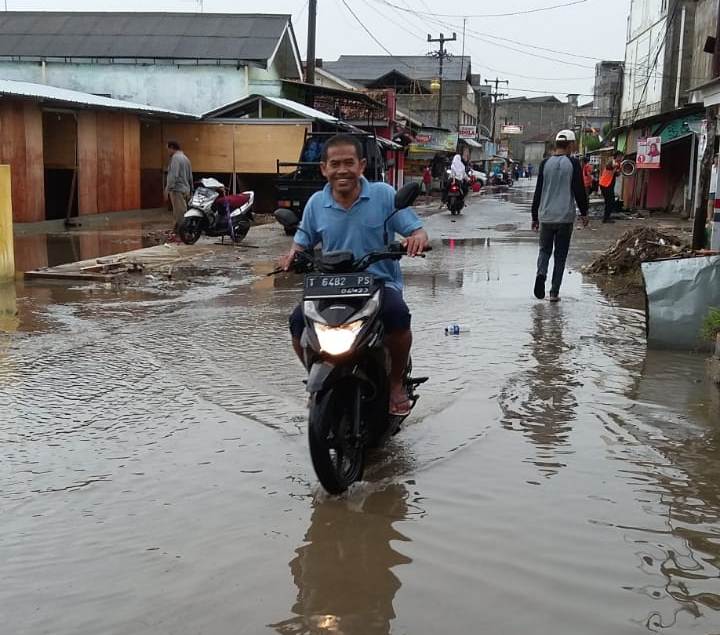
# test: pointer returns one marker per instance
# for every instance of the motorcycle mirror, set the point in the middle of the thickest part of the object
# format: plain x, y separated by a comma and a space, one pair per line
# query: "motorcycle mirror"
406, 195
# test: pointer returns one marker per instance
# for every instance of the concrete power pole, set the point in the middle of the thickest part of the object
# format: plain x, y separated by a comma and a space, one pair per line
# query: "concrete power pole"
441, 54
312, 24
495, 97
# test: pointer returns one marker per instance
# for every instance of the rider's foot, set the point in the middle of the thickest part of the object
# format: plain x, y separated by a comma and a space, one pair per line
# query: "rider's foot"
400, 405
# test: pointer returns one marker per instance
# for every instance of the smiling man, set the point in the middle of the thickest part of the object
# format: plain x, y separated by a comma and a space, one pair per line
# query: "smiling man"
349, 215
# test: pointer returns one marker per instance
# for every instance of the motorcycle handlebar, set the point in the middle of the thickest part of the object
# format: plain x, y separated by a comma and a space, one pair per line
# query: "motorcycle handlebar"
305, 262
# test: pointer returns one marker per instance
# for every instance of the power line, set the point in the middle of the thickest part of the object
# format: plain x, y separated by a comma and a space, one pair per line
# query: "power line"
486, 15
661, 47
474, 34
414, 34
360, 22
550, 92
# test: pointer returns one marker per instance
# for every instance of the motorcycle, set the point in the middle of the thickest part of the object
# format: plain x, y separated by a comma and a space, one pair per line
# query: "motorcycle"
502, 180
455, 197
347, 360
214, 213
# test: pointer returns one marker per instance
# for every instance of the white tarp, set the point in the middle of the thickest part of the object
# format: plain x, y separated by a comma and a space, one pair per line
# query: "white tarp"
679, 294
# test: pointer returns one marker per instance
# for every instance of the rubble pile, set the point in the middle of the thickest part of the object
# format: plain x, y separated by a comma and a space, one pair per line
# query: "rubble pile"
156, 237
634, 247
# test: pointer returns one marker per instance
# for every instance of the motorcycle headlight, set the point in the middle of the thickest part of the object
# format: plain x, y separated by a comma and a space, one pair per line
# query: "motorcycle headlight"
337, 340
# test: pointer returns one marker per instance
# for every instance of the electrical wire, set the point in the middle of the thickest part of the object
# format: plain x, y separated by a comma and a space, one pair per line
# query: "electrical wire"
360, 22
378, 42
661, 47
483, 37
486, 15
402, 27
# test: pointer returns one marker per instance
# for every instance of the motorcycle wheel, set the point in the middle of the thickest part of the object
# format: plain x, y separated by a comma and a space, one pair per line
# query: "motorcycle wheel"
190, 230
338, 461
241, 230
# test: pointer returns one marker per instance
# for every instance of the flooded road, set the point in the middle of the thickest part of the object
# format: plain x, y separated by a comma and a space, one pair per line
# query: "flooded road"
556, 477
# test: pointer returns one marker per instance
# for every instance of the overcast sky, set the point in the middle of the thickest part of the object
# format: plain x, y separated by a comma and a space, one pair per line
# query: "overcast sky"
584, 33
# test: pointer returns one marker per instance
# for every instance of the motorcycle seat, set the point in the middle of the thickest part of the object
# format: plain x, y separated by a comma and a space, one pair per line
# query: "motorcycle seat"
233, 201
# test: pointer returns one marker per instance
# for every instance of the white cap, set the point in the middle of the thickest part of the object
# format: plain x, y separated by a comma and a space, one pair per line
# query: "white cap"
565, 135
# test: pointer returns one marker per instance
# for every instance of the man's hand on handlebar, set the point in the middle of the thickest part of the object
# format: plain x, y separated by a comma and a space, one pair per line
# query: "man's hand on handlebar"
416, 242
285, 262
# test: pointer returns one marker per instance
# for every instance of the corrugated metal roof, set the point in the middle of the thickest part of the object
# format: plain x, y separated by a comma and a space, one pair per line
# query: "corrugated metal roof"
285, 104
207, 36
366, 68
301, 109
63, 96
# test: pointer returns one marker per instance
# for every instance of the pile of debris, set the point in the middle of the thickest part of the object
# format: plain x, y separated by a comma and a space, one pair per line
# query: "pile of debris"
157, 237
634, 247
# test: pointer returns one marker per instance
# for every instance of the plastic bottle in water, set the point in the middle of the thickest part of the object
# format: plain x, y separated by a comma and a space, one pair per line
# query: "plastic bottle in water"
455, 329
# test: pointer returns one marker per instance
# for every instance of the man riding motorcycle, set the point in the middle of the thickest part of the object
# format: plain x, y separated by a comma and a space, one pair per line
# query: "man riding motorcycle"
349, 214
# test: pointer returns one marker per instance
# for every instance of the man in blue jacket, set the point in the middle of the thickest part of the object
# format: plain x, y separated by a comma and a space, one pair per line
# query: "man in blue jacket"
559, 188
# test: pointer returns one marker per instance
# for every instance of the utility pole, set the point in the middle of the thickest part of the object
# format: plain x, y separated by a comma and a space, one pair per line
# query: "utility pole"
310, 61
495, 96
441, 54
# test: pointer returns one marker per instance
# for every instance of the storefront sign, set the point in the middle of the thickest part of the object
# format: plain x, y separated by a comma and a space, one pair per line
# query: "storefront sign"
511, 128
468, 132
435, 141
648, 153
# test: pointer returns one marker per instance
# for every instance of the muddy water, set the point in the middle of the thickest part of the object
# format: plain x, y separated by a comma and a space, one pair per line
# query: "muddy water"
556, 476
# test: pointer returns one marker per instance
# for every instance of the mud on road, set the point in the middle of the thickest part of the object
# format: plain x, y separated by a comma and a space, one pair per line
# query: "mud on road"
556, 477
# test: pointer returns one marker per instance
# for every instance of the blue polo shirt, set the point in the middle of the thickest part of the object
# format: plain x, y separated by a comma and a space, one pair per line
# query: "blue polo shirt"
359, 229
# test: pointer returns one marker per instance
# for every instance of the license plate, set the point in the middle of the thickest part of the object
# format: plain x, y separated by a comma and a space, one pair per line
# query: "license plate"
344, 285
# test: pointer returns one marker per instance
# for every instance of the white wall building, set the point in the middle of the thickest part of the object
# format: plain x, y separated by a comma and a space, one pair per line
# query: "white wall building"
658, 57
187, 62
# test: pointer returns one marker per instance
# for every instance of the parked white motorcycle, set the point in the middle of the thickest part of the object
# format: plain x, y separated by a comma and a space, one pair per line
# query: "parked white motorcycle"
214, 213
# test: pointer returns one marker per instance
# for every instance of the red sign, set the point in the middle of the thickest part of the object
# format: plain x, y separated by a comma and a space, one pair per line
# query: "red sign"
648, 153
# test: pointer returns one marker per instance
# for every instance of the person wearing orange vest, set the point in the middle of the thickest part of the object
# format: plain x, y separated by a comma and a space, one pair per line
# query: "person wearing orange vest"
607, 187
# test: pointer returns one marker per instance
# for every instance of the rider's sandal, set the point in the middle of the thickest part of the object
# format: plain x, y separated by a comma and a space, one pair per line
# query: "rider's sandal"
400, 407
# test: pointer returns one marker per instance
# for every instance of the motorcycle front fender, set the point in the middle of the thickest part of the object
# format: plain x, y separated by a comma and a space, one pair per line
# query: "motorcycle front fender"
324, 375
194, 213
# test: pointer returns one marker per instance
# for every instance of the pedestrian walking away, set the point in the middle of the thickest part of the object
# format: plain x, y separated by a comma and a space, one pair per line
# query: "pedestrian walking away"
558, 190
179, 181
607, 188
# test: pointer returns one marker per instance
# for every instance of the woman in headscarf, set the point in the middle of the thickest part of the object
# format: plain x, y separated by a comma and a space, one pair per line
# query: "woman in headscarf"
457, 171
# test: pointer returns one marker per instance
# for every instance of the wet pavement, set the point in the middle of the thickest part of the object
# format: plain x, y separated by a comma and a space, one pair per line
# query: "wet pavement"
556, 476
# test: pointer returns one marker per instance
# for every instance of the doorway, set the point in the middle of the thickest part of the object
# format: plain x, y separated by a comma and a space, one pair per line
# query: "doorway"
60, 164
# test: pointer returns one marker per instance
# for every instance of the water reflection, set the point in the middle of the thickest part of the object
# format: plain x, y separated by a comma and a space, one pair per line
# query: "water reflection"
344, 574
540, 401
33, 251
8, 308
670, 407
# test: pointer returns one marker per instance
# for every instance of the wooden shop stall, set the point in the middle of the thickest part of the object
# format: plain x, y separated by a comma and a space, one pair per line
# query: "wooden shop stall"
72, 153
